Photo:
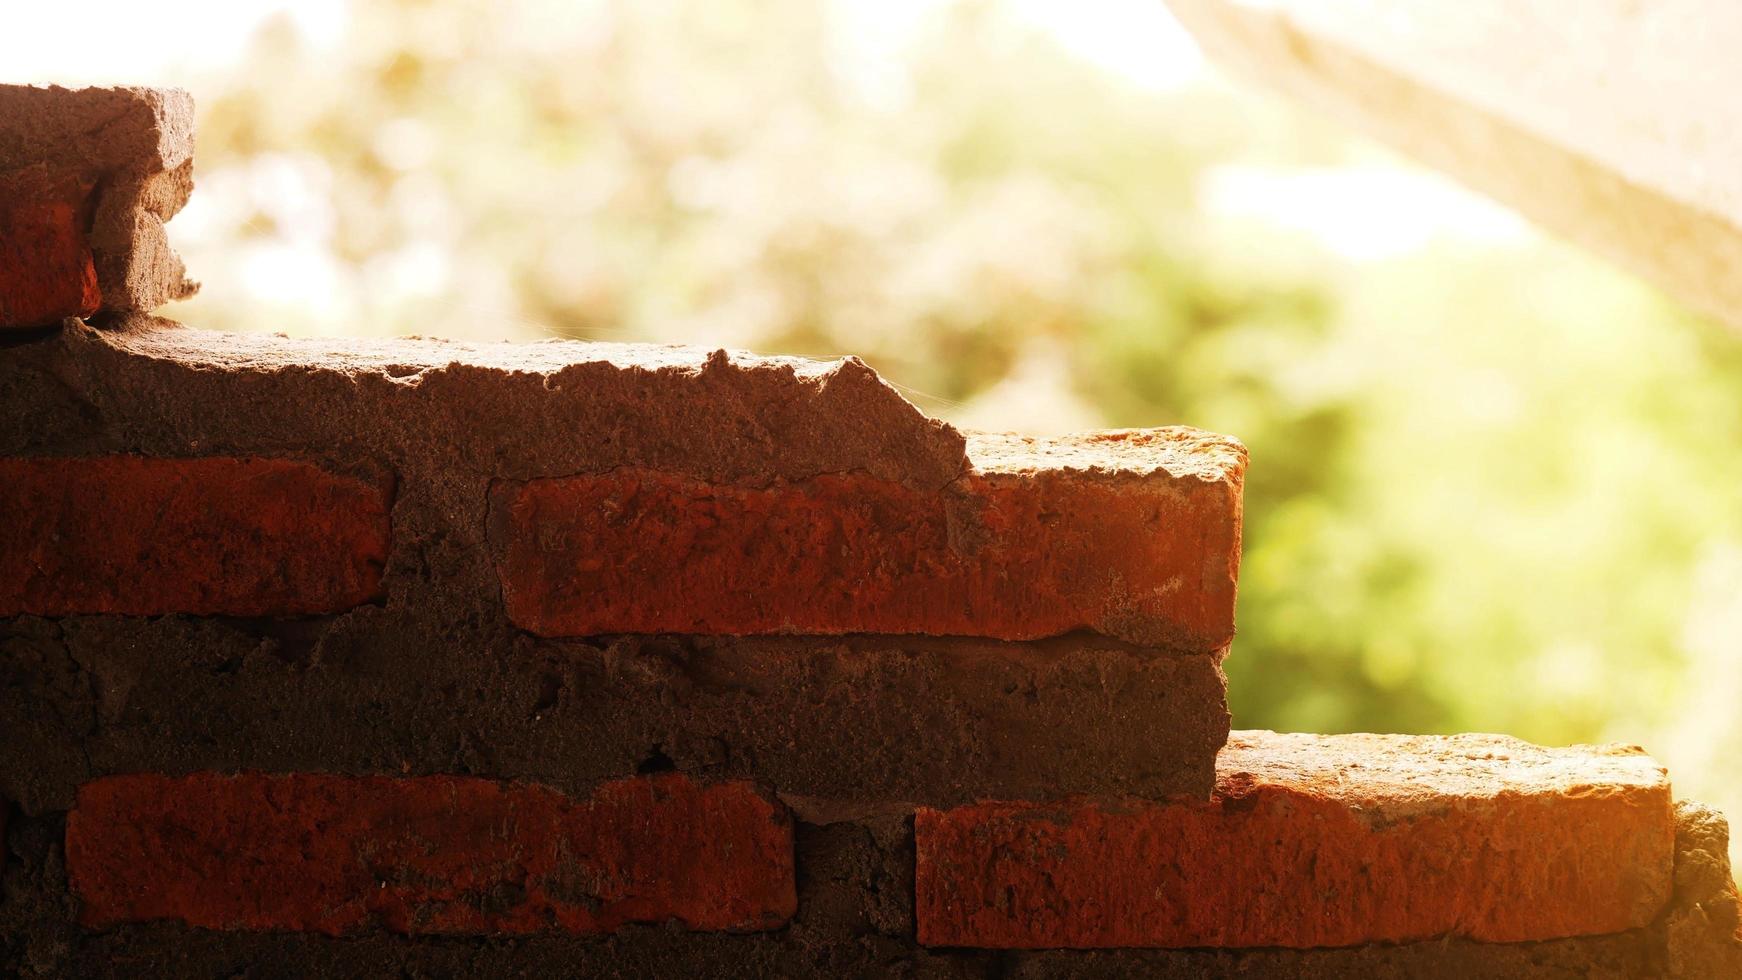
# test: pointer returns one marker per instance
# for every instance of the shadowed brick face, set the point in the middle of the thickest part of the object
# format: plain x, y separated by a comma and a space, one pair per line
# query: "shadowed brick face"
1316, 841
997, 554
427, 855
46, 267
141, 536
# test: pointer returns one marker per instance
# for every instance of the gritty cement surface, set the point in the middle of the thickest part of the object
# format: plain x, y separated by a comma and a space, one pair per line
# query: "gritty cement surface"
437, 410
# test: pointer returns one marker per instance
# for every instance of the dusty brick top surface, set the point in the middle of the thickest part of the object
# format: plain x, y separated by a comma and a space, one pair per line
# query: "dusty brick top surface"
1174, 451
96, 129
1397, 772
404, 359
509, 410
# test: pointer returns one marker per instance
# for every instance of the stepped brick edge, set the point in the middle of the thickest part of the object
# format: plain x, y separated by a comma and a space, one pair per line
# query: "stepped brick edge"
1316, 841
1132, 533
211, 536
87, 179
428, 855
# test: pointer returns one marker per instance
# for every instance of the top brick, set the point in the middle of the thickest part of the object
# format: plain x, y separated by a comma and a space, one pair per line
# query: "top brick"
1131, 533
1316, 840
87, 179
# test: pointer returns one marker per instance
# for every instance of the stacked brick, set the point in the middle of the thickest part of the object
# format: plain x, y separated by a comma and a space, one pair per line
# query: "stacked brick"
375, 658
87, 179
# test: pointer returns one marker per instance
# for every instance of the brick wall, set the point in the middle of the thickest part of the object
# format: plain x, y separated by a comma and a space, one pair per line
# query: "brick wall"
408, 657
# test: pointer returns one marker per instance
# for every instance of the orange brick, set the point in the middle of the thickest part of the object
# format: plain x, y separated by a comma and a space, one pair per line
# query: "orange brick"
427, 855
1316, 841
1135, 534
141, 536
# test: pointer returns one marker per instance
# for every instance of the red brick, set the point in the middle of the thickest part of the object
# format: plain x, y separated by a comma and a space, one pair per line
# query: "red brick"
427, 855
140, 536
1316, 841
1135, 534
46, 267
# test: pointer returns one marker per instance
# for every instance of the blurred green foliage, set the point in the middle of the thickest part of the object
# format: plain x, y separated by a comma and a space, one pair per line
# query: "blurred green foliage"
1484, 478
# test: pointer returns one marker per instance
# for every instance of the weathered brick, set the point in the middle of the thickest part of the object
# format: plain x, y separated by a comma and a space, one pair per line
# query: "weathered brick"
143, 536
1316, 841
1133, 533
515, 411
87, 179
46, 268
427, 855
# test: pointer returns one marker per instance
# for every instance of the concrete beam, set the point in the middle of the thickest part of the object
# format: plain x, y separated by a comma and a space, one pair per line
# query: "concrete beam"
1615, 123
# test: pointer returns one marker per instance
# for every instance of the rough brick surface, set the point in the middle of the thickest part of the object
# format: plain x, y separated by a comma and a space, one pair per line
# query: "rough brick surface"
46, 268
87, 179
1316, 841
142, 536
854, 919
427, 855
464, 410
1132, 533
1703, 925
1604, 130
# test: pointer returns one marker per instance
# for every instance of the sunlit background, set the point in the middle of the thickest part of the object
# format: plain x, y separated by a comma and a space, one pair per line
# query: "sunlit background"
1495, 483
